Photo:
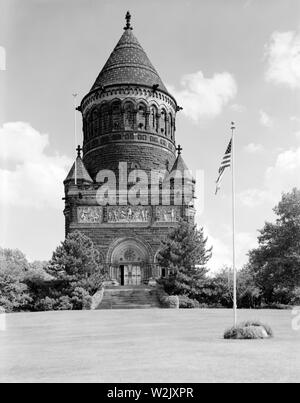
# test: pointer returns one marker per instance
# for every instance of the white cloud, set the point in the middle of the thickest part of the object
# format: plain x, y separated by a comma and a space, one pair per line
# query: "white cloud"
295, 119
285, 174
221, 254
265, 119
281, 177
254, 148
283, 54
203, 97
237, 108
253, 197
28, 176
222, 249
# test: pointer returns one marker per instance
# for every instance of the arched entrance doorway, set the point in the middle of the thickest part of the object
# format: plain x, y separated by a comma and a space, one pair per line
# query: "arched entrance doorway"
129, 261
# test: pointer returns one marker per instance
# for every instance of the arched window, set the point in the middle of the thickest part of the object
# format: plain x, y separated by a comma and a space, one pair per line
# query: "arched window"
116, 115
163, 122
153, 118
85, 127
141, 117
170, 126
104, 118
95, 122
128, 116
89, 124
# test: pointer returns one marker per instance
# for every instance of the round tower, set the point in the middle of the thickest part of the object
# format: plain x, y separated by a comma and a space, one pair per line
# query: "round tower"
128, 115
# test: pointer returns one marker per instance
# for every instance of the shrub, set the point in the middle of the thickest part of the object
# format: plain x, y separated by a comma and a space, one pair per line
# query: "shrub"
296, 296
186, 302
172, 301
81, 299
275, 305
64, 304
249, 330
45, 304
166, 300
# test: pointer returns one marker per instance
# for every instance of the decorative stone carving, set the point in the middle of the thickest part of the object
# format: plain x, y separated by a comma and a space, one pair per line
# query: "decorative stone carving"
89, 215
167, 213
128, 214
129, 255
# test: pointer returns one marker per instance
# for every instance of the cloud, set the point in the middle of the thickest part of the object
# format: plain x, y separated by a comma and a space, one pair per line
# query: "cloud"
295, 119
265, 119
237, 108
283, 57
254, 148
285, 174
281, 177
203, 98
28, 176
222, 249
253, 197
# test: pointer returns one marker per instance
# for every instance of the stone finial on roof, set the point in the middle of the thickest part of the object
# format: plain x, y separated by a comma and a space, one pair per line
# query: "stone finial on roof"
128, 18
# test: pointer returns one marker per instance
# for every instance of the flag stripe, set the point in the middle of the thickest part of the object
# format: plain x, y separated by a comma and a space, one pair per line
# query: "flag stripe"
226, 162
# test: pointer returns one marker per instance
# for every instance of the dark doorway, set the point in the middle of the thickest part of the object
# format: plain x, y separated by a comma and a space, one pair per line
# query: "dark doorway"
122, 274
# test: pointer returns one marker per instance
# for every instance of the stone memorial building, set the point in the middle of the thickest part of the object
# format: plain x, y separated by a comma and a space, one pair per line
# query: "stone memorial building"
129, 120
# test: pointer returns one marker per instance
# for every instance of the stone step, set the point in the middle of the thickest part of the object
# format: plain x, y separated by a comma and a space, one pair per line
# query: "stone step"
131, 297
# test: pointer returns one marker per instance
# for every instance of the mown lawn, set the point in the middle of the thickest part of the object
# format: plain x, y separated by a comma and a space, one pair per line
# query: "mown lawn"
155, 345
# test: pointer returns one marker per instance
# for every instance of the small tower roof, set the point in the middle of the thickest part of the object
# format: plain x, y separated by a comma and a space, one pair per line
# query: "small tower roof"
128, 64
180, 166
82, 173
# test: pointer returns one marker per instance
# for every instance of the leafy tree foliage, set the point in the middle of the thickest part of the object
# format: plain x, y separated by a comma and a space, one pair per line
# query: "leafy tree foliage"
276, 262
14, 293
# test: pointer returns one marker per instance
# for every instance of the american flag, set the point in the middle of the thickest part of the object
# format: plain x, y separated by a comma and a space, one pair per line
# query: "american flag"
226, 161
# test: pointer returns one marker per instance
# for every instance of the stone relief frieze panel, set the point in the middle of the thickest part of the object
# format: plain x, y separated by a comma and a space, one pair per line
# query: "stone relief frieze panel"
89, 214
167, 213
128, 214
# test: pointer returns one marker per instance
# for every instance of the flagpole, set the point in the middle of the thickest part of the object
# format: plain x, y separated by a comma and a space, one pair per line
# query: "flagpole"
233, 225
75, 134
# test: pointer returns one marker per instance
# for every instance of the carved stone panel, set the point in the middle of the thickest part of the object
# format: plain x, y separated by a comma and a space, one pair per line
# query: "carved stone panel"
89, 215
167, 213
128, 214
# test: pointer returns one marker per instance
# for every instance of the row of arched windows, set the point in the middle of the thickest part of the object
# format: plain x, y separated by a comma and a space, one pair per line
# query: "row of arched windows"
107, 118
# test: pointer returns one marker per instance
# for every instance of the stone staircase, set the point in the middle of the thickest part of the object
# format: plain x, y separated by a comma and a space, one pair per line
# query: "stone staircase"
129, 297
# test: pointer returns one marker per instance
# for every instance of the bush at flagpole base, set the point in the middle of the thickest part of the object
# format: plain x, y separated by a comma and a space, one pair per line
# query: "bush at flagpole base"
249, 330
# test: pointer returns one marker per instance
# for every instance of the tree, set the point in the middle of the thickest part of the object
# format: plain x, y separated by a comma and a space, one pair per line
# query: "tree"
185, 255
77, 261
14, 293
73, 274
275, 264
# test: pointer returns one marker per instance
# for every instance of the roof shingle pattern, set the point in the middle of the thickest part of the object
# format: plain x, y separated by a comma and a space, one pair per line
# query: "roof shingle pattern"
128, 64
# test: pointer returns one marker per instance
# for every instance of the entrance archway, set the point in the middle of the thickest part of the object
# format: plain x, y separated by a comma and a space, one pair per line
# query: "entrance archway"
129, 260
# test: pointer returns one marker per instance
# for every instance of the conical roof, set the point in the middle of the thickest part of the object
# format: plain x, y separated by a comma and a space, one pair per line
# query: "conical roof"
128, 64
82, 173
180, 166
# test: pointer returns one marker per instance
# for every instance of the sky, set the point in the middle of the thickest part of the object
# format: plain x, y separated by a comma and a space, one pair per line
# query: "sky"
233, 60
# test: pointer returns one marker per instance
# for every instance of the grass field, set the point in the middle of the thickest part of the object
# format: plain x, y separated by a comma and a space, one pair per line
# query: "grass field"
154, 345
